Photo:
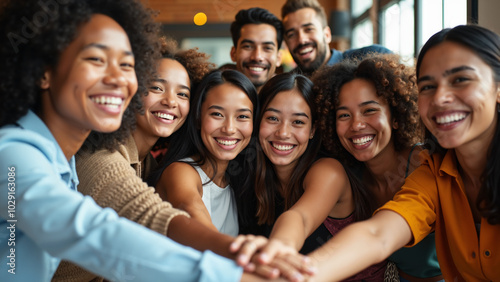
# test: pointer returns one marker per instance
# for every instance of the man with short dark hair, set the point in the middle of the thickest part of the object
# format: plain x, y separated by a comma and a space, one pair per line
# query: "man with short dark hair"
257, 35
308, 35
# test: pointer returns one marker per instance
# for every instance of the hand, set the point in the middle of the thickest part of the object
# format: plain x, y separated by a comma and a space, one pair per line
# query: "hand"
270, 258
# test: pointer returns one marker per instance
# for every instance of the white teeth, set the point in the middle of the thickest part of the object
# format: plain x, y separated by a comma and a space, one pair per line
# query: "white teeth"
258, 69
450, 118
164, 116
362, 140
112, 102
306, 50
227, 142
282, 147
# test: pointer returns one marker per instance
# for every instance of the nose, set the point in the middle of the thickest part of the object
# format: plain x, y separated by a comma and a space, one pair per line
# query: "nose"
357, 123
228, 126
257, 54
283, 131
301, 37
169, 99
114, 75
442, 96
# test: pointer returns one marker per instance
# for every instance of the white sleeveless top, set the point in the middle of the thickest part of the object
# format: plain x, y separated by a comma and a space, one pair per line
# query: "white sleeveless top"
220, 203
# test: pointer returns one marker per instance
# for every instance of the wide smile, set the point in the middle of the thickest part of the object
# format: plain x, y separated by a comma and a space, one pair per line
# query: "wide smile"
108, 103
282, 148
164, 117
227, 143
449, 121
362, 142
256, 69
305, 52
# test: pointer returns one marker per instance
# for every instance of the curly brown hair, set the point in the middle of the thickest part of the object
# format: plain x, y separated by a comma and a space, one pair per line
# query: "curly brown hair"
393, 81
38, 32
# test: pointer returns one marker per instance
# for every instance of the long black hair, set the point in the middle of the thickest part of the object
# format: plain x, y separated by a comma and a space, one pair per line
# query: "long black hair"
486, 45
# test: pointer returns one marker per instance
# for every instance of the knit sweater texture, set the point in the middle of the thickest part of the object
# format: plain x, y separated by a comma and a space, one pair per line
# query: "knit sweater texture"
115, 180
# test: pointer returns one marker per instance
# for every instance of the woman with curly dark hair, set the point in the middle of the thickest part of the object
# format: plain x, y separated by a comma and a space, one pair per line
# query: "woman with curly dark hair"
69, 68
370, 120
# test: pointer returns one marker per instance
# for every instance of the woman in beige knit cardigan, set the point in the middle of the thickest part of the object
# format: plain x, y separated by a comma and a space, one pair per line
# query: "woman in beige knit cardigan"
112, 171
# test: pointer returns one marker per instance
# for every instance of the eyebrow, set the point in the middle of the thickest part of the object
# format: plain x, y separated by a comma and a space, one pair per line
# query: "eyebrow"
300, 114
164, 81
253, 42
446, 73
304, 25
360, 105
105, 47
221, 108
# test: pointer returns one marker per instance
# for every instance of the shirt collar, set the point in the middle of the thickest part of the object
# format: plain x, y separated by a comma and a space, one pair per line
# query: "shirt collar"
449, 164
66, 169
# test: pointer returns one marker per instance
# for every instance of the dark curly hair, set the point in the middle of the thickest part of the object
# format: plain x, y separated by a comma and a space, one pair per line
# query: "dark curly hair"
393, 81
35, 33
197, 65
255, 16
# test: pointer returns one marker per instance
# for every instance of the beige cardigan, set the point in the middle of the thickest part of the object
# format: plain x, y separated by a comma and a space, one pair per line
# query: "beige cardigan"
114, 180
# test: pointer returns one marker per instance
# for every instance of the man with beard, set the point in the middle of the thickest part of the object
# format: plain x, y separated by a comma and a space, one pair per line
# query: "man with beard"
307, 36
257, 35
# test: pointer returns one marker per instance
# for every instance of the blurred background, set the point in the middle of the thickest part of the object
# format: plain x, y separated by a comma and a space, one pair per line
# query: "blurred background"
401, 25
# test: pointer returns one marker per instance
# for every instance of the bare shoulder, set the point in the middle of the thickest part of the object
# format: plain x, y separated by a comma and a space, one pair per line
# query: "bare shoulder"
326, 170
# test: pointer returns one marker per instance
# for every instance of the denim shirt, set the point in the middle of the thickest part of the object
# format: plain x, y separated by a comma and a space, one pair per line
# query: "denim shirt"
43, 220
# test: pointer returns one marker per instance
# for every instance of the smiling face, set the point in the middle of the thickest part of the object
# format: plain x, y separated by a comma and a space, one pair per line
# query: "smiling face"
363, 120
457, 96
94, 81
167, 104
286, 128
306, 39
257, 54
226, 121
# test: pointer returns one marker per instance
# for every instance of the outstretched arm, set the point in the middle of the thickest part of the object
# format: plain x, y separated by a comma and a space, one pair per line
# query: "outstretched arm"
360, 245
180, 184
326, 189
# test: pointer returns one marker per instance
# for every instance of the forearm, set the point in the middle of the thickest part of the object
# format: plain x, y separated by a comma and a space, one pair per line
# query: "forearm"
190, 232
359, 246
290, 229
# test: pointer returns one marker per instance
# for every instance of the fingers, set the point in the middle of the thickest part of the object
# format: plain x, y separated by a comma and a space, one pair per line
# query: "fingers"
247, 246
293, 268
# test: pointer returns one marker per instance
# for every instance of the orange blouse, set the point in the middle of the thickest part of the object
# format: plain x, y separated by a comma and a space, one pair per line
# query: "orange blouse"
433, 198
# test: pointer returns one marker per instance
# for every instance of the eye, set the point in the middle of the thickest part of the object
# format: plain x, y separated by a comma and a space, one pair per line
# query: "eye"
216, 114
95, 59
269, 48
244, 117
460, 79
246, 46
183, 95
370, 110
343, 116
290, 34
127, 65
298, 122
425, 88
272, 119
156, 89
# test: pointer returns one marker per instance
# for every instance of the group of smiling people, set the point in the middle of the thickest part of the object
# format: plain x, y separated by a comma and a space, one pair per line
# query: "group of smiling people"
320, 178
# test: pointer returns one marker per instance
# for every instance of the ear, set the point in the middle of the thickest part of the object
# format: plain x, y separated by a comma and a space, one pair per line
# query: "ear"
395, 124
313, 130
233, 54
498, 93
278, 58
328, 34
45, 80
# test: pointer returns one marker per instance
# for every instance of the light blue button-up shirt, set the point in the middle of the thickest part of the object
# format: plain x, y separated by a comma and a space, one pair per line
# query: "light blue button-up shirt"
43, 220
